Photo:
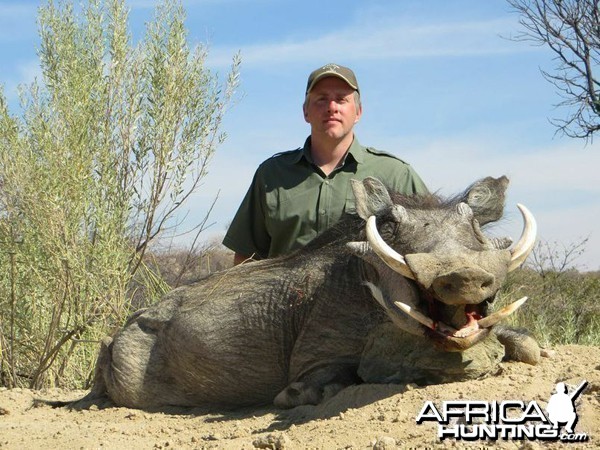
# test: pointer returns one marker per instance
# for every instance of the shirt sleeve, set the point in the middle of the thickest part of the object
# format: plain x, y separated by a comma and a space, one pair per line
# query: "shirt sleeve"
247, 234
416, 184
401, 177
394, 172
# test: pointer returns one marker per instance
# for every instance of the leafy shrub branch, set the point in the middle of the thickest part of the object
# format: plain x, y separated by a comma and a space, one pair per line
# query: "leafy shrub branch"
111, 142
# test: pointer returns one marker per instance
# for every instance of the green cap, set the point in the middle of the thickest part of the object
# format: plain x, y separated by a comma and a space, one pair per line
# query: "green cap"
331, 70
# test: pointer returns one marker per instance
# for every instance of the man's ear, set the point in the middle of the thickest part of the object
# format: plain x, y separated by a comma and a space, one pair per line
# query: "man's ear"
305, 108
358, 114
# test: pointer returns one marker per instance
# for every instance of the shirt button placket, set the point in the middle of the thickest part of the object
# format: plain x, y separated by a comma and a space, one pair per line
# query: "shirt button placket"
326, 195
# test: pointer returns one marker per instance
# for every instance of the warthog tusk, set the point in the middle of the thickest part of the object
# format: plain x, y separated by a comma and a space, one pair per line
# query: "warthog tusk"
496, 317
522, 248
392, 258
416, 315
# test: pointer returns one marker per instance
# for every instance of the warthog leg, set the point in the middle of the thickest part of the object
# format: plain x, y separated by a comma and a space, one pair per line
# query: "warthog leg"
317, 385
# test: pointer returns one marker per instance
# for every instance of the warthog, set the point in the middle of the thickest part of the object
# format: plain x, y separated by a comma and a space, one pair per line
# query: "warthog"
292, 330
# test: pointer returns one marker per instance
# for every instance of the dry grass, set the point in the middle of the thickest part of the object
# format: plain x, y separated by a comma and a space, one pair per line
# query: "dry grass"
564, 303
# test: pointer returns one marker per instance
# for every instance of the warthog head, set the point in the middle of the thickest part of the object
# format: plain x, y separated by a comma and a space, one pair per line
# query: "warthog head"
456, 270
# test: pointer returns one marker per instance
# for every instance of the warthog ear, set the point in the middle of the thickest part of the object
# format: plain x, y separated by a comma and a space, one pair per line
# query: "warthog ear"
371, 196
486, 198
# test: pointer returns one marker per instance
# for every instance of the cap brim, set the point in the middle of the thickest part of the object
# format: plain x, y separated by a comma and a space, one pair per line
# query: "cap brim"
327, 75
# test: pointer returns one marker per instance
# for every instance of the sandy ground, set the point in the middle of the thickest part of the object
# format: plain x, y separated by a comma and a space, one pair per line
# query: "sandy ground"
359, 417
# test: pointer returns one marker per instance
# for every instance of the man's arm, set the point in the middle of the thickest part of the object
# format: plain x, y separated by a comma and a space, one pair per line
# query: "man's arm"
247, 235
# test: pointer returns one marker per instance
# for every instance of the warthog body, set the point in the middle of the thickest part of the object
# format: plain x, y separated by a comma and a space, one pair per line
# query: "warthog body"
292, 330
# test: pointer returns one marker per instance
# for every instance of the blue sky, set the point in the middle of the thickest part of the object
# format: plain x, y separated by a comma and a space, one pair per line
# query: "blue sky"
442, 88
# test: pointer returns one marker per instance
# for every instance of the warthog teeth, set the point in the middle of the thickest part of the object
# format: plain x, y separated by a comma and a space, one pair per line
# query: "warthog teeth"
496, 317
421, 318
467, 331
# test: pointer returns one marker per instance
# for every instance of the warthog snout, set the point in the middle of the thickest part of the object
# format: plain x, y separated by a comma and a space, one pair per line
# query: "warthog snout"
464, 285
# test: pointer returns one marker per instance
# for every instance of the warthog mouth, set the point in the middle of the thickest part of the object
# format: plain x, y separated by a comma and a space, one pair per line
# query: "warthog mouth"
477, 324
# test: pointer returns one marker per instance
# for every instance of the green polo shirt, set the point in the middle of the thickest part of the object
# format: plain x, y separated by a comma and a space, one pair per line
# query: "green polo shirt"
291, 200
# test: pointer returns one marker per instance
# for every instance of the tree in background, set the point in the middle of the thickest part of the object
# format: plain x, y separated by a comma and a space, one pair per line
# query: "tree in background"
571, 29
111, 142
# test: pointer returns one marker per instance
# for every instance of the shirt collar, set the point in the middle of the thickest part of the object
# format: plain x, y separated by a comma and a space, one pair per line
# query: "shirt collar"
356, 150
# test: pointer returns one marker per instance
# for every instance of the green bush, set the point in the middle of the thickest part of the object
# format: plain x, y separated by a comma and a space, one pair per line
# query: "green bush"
110, 143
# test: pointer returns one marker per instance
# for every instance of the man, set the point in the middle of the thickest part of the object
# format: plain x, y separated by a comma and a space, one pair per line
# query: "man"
296, 195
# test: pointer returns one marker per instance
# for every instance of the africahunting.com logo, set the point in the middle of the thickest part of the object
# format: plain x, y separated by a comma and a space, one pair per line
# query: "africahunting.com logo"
472, 420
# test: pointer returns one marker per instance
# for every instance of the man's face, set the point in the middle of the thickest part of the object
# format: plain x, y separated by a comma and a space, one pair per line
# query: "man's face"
331, 109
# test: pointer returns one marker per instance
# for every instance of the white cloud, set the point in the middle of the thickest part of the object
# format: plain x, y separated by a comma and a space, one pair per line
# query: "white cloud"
560, 165
558, 182
389, 39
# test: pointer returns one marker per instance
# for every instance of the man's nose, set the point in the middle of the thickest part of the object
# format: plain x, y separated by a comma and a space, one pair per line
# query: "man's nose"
332, 106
